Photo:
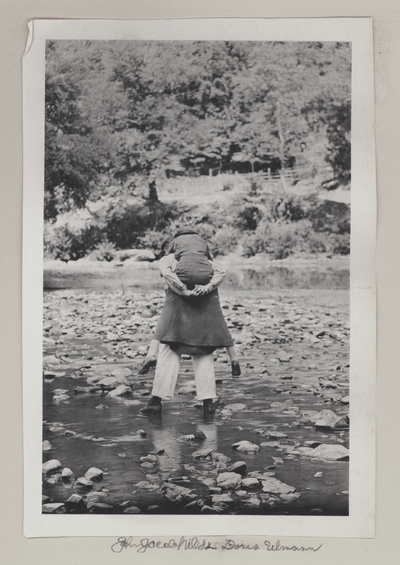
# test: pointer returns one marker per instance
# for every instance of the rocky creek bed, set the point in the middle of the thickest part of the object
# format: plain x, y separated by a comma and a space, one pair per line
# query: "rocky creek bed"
278, 443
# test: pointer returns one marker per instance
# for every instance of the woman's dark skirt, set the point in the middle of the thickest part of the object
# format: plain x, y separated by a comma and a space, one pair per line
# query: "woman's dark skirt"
193, 321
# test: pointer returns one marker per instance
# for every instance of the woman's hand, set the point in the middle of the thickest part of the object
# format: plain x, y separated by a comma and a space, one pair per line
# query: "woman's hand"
200, 290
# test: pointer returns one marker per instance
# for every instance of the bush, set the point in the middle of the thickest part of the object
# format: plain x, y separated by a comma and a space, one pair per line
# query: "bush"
278, 239
104, 251
340, 244
156, 241
69, 245
249, 217
224, 241
317, 242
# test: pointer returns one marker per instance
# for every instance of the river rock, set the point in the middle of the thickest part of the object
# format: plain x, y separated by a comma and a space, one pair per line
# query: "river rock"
238, 467
235, 407
345, 400
60, 398
94, 474
312, 443
275, 486
195, 505
175, 492
50, 467
51, 360
67, 474
284, 357
83, 483
205, 509
253, 501
329, 452
75, 501
132, 510
108, 382
54, 508
229, 480
202, 453
46, 445
250, 483
289, 497
332, 422
217, 498
101, 407
121, 390
246, 447
121, 373
146, 485
276, 435
188, 388
99, 508
220, 457
142, 350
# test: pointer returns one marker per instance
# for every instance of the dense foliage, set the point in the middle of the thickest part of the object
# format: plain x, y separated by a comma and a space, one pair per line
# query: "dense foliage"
121, 116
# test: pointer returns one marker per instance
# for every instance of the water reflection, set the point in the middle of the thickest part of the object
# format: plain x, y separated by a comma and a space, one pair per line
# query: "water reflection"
283, 277
238, 279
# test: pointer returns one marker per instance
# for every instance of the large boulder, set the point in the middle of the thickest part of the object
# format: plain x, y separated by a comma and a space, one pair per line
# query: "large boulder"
329, 452
94, 474
50, 467
238, 467
229, 480
274, 486
326, 419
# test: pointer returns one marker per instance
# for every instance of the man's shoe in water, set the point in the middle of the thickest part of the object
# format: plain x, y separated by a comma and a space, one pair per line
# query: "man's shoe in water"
152, 407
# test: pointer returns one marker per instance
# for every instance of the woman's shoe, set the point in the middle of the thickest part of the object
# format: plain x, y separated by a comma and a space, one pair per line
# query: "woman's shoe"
153, 406
236, 372
148, 363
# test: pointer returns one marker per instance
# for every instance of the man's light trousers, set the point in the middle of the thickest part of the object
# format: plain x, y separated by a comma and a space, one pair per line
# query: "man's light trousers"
167, 369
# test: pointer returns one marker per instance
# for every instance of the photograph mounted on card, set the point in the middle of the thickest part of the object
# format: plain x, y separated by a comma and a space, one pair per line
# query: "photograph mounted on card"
199, 278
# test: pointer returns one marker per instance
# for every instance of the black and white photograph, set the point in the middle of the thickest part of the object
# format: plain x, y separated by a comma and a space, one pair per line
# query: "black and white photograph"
204, 280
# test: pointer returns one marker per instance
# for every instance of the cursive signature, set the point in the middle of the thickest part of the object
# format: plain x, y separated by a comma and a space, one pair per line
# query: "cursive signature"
145, 543
202, 544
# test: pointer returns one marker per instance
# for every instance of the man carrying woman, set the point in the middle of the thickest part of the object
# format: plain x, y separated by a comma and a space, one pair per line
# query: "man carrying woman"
192, 323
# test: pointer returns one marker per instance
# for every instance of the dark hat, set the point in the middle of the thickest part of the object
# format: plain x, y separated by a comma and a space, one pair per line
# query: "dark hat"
186, 230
